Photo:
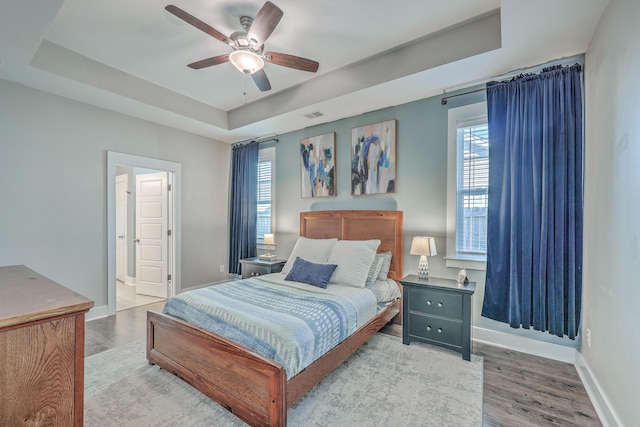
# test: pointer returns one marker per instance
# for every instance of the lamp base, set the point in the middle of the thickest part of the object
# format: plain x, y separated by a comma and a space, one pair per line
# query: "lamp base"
423, 268
268, 257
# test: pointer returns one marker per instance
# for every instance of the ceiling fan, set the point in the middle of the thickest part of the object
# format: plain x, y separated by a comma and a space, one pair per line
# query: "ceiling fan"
248, 53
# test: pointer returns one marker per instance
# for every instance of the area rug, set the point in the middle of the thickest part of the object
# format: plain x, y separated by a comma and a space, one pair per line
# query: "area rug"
385, 383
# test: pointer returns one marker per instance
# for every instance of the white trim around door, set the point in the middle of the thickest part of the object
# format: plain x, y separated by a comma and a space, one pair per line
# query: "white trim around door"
175, 173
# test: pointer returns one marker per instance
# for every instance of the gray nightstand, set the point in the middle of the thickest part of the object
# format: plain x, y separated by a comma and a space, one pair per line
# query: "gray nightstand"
252, 267
437, 311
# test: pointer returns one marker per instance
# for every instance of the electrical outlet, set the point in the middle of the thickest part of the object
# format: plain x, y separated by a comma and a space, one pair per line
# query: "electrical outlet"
588, 337
221, 268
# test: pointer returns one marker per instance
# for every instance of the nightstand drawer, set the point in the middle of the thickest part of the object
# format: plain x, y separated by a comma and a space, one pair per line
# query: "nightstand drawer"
436, 329
428, 301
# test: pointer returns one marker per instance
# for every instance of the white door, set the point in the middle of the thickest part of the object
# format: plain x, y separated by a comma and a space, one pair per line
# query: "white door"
121, 227
151, 234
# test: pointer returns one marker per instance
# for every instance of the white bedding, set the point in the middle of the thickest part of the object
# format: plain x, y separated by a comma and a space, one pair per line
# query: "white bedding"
363, 300
290, 322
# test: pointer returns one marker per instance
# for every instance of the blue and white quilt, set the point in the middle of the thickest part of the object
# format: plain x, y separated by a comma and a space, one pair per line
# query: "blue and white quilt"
291, 324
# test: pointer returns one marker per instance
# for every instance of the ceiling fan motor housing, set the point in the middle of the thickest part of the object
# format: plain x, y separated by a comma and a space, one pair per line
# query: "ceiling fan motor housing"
246, 22
239, 41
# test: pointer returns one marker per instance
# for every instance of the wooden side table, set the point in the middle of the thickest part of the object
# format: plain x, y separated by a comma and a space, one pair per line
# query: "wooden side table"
437, 311
252, 267
41, 350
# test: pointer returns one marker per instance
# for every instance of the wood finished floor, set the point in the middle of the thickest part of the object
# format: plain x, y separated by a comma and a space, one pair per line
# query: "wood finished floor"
519, 389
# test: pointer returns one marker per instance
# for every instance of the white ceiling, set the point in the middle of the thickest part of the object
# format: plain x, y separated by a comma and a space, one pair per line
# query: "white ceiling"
131, 56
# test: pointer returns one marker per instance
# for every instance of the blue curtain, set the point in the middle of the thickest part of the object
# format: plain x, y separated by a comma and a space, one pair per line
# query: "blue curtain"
243, 205
534, 242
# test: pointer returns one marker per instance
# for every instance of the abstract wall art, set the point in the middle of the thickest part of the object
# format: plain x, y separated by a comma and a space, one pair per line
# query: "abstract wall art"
318, 165
373, 158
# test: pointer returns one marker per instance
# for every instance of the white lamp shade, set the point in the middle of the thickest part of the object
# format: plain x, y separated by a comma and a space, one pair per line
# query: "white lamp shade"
423, 246
268, 239
245, 61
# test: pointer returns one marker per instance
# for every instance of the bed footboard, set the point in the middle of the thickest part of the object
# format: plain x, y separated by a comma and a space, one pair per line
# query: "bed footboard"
250, 386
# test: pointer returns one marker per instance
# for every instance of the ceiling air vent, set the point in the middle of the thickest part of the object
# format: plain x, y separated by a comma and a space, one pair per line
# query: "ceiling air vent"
314, 115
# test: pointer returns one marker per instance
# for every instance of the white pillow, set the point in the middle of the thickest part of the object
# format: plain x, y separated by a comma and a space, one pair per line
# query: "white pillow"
353, 259
386, 265
374, 271
312, 250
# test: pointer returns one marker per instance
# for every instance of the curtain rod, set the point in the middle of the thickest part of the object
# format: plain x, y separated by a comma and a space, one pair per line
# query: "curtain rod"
273, 138
444, 100
514, 73
259, 140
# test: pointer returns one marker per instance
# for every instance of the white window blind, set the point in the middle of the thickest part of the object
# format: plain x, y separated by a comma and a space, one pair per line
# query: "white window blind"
472, 189
265, 166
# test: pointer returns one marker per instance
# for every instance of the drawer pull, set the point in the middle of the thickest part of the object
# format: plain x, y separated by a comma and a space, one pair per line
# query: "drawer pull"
439, 330
428, 302
440, 304
428, 328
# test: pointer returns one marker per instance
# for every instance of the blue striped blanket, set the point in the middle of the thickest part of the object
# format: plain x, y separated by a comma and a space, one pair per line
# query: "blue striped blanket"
292, 326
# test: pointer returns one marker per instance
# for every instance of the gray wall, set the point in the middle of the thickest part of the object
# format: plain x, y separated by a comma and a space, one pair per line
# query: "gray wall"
421, 191
53, 161
612, 200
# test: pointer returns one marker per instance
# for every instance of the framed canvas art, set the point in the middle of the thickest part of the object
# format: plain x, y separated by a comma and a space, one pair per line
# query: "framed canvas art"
373, 158
318, 165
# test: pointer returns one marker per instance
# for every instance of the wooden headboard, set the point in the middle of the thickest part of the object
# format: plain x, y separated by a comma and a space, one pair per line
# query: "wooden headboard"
359, 225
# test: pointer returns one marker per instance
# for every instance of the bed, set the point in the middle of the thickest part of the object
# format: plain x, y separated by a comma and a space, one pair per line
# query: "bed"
253, 387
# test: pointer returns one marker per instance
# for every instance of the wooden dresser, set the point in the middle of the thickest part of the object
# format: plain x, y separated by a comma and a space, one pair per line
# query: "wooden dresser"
41, 350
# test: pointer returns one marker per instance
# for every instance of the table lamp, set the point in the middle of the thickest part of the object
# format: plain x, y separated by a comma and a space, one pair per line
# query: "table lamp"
268, 241
423, 246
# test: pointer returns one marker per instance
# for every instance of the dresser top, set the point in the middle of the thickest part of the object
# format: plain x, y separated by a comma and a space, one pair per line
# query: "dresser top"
26, 296
439, 283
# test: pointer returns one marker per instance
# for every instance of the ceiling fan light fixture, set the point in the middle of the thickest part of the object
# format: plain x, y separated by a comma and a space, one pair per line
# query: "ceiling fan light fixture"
246, 61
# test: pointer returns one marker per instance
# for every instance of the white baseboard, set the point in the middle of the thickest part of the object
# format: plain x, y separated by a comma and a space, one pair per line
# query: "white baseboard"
96, 313
131, 281
525, 345
607, 416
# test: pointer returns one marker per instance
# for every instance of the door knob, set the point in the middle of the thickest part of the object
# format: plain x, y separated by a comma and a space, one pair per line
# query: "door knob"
137, 241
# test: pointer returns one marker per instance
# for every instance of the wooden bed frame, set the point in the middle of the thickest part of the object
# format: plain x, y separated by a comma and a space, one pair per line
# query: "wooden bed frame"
251, 386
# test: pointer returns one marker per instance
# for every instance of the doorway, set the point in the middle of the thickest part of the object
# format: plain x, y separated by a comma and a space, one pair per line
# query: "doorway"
142, 236
143, 230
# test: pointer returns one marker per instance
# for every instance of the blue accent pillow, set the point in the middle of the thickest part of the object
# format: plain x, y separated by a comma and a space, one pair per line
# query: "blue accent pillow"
310, 273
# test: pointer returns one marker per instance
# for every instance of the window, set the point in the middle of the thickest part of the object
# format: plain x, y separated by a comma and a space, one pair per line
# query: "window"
265, 200
472, 189
467, 189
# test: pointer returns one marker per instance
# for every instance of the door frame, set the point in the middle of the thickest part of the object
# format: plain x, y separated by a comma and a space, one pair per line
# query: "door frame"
124, 179
175, 244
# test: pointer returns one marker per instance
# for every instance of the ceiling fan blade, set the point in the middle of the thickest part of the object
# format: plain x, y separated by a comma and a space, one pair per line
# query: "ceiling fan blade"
292, 61
190, 19
263, 25
209, 62
261, 80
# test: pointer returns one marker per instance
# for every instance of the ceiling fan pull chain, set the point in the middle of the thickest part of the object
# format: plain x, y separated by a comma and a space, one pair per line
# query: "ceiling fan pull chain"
245, 78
